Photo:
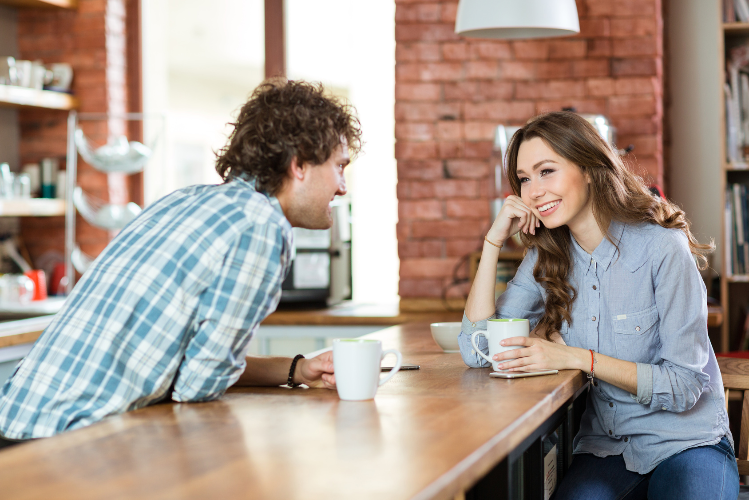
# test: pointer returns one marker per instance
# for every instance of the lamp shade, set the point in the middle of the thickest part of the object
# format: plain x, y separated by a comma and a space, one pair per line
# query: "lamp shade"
516, 18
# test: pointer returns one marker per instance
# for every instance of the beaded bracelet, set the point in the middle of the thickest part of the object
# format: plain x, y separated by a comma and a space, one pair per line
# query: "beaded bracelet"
289, 380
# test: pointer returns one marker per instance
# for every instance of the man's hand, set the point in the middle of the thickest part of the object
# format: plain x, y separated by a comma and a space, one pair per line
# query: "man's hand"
316, 372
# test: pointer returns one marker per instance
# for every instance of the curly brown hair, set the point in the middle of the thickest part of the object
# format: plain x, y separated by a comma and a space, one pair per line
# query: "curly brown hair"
285, 119
616, 194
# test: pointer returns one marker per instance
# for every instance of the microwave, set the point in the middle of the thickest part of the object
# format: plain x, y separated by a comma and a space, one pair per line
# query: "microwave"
321, 271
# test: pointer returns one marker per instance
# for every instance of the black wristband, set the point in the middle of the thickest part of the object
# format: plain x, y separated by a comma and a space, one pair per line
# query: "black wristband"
289, 381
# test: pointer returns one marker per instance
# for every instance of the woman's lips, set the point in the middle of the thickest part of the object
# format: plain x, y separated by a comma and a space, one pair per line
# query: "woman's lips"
549, 212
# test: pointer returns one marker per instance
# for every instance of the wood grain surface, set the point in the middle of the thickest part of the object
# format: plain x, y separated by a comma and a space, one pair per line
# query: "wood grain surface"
354, 313
429, 433
734, 373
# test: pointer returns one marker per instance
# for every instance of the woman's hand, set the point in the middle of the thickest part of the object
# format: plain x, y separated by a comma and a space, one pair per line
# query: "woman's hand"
540, 354
513, 217
316, 372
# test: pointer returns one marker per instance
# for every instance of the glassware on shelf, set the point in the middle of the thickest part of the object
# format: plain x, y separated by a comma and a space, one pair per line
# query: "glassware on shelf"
118, 155
16, 289
102, 214
81, 261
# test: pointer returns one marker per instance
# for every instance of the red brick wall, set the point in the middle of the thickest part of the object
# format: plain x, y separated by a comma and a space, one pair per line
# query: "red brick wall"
92, 40
451, 92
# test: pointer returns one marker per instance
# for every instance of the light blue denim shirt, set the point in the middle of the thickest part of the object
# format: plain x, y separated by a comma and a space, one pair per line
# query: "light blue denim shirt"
647, 305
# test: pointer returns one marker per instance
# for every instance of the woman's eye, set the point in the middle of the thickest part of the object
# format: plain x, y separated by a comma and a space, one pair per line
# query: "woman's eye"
523, 179
546, 171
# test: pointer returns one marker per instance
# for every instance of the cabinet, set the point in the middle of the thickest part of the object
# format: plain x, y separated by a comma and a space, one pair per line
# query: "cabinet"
27, 98
733, 163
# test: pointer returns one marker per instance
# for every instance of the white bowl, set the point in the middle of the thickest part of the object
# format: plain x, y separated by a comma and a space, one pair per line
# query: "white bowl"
446, 335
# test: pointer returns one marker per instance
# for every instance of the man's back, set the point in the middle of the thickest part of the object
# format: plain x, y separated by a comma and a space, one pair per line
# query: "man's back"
172, 302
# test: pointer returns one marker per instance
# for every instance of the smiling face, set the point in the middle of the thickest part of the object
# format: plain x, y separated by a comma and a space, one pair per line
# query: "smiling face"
313, 188
553, 187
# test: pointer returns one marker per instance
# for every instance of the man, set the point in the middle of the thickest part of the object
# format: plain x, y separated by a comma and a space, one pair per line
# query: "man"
169, 307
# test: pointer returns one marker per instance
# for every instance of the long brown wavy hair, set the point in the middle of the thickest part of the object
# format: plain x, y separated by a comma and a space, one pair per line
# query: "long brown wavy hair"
281, 120
616, 193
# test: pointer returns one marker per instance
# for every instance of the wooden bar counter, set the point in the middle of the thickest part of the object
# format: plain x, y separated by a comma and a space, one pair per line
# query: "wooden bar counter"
429, 433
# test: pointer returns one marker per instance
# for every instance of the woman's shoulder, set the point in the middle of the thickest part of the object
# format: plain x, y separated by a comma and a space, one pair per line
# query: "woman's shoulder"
646, 241
648, 232
657, 241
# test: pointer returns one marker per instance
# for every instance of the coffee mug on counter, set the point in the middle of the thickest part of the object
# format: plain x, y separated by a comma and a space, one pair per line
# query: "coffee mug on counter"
497, 330
356, 365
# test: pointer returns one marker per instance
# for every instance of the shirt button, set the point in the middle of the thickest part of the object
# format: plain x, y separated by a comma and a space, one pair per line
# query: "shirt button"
610, 432
595, 384
663, 407
594, 287
611, 405
626, 439
637, 328
473, 352
473, 325
593, 318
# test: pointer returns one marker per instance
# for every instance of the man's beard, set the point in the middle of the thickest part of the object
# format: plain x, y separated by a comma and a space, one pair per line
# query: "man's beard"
312, 218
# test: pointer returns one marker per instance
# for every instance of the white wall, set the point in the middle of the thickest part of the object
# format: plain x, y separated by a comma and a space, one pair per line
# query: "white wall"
195, 74
351, 45
694, 115
201, 61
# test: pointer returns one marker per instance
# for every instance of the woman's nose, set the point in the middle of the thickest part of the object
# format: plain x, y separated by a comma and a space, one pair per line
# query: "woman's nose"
535, 189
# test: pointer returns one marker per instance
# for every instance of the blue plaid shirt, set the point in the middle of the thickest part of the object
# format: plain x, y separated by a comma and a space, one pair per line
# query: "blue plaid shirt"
171, 304
645, 304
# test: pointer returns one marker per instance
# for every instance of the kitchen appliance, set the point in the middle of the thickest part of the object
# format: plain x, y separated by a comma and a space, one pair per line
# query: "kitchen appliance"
322, 267
606, 130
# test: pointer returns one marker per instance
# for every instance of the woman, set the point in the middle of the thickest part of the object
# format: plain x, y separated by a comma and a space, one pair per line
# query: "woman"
610, 286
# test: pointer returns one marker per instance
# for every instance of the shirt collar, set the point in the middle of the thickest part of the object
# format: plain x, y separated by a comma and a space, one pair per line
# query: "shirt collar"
605, 253
250, 182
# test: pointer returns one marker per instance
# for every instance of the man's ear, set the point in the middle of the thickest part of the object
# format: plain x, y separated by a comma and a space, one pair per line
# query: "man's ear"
297, 170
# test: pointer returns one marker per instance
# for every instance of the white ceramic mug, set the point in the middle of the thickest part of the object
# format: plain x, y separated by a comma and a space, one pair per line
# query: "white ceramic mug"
356, 365
497, 330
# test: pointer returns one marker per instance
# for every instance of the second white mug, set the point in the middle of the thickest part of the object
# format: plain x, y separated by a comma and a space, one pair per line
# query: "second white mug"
497, 330
356, 365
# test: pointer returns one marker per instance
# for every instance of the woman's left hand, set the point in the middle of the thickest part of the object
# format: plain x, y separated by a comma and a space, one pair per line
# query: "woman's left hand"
539, 354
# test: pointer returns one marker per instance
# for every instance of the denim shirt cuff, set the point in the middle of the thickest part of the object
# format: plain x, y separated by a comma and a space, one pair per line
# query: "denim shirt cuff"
468, 327
645, 383
469, 355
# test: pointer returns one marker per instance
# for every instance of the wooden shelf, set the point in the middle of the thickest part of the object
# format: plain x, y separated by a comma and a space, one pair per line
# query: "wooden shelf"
736, 167
12, 96
34, 207
63, 4
735, 28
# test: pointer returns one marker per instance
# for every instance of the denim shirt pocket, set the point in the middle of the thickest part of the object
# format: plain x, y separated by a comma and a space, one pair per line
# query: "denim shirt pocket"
636, 335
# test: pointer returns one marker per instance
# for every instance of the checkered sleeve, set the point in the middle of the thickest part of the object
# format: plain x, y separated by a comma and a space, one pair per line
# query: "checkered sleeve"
245, 291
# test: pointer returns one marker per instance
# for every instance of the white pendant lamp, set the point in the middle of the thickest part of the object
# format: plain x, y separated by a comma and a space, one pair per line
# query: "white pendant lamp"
516, 18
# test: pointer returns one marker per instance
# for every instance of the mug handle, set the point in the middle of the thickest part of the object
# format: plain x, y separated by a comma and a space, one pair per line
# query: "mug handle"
396, 368
474, 344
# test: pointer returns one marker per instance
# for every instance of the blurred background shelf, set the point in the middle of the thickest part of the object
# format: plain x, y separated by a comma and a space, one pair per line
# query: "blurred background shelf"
735, 28
23, 331
44, 307
33, 207
63, 4
12, 96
